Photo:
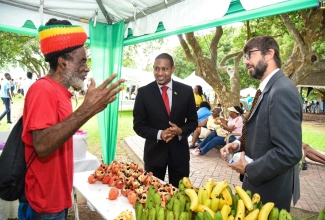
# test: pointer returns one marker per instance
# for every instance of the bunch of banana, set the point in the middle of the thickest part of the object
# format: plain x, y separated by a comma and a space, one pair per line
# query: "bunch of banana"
125, 215
245, 197
265, 211
188, 184
218, 188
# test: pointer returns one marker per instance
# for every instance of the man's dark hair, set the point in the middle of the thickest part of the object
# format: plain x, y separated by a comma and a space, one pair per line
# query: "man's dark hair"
264, 43
167, 57
29, 75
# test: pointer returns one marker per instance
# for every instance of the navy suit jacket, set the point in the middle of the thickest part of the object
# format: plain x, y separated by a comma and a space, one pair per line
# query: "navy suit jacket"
150, 116
273, 141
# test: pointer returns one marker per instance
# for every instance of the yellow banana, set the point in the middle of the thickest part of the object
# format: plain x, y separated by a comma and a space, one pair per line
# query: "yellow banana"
188, 184
265, 211
214, 204
231, 217
208, 186
193, 197
222, 202
227, 196
202, 208
253, 215
218, 188
199, 194
207, 203
245, 197
225, 211
256, 198
240, 213
204, 196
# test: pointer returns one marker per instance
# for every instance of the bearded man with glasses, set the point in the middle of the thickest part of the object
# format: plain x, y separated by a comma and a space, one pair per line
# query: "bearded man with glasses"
272, 131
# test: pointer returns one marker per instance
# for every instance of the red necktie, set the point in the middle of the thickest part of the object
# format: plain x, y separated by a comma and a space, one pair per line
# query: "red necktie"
165, 98
243, 136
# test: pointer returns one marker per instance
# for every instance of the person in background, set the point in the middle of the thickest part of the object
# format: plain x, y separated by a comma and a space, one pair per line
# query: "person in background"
272, 133
27, 83
203, 113
133, 96
311, 154
164, 115
6, 97
49, 123
198, 96
18, 86
249, 100
234, 124
12, 87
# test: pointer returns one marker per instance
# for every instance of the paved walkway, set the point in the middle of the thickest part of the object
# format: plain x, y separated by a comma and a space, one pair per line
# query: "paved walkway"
312, 180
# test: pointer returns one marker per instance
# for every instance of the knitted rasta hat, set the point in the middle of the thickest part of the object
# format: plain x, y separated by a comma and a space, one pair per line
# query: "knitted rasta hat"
59, 39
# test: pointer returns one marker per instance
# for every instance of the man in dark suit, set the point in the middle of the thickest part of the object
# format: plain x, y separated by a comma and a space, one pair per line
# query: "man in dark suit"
165, 129
273, 130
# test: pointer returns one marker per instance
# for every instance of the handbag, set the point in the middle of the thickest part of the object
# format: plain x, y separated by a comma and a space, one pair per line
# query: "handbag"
222, 132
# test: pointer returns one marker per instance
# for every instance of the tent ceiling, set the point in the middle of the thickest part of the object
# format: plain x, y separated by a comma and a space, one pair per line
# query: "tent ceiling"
142, 17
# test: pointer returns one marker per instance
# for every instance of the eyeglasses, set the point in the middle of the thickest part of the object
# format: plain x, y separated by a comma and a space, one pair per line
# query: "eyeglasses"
157, 69
247, 55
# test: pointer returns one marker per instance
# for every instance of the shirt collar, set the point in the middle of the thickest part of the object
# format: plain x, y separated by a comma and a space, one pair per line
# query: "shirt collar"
170, 85
267, 79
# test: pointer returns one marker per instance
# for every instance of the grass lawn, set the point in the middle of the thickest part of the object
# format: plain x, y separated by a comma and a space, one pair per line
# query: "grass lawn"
313, 132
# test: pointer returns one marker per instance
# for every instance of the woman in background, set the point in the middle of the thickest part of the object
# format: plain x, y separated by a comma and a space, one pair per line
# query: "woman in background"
198, 96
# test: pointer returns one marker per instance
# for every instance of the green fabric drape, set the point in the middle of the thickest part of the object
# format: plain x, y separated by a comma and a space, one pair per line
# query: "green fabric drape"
106, 55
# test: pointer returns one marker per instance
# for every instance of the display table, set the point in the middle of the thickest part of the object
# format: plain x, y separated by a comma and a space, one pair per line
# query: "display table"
10, 209
97, 196
91, 162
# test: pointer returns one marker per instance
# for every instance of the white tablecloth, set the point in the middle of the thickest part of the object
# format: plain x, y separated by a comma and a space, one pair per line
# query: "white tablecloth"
97, 195
91, 162
10, 209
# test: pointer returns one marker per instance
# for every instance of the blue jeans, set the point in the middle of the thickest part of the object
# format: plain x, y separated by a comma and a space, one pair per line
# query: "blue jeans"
63, 215
213, 140
7, 111
25, 212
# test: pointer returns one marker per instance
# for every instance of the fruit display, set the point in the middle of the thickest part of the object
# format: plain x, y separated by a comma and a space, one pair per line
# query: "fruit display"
156, 200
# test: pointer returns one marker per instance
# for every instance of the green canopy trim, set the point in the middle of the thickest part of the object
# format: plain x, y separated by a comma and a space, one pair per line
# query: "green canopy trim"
235, 13
106, 56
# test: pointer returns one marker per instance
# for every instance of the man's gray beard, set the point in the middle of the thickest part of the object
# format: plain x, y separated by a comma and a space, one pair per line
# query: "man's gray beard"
260, 69
75, 82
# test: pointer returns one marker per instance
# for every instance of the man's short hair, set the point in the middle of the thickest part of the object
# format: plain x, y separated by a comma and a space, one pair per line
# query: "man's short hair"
264, 43
167, 57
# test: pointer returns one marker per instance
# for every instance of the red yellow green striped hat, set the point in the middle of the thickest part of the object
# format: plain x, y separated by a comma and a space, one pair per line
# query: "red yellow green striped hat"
59, 39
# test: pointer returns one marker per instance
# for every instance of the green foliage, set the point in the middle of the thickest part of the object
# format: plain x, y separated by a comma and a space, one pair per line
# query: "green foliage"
183, 67
142, 55
22, 49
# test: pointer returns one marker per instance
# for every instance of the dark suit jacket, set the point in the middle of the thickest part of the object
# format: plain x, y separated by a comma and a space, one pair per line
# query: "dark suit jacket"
150, 116
273, 141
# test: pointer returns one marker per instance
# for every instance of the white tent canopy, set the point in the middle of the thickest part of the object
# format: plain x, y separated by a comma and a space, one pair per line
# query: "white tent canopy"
141, 78
247, 91
142, 17
194, 80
